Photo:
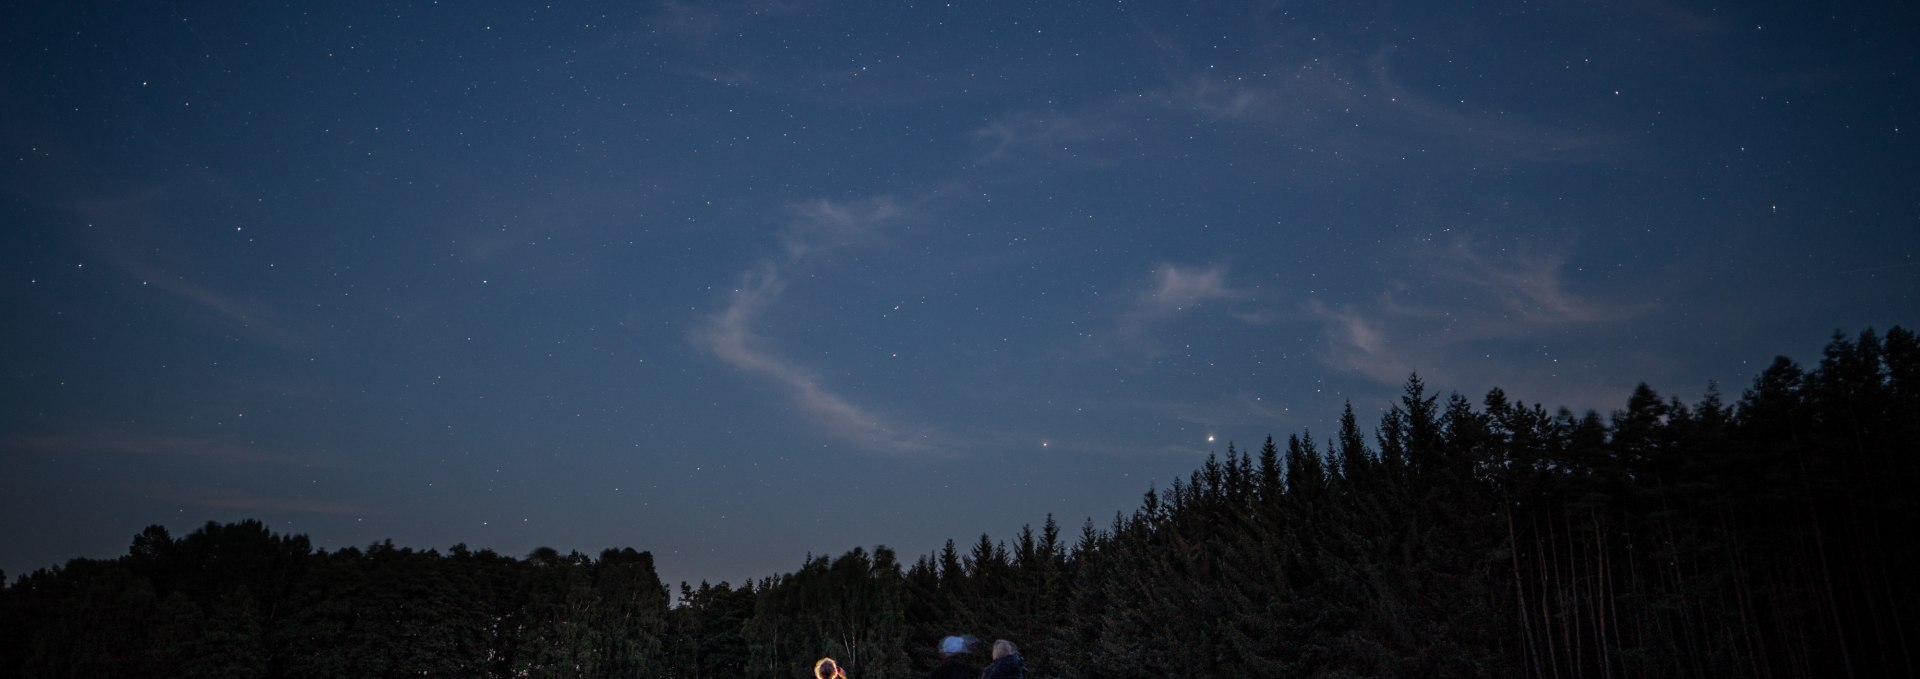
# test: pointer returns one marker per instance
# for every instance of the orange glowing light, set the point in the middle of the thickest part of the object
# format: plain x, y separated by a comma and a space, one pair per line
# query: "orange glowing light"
826, 668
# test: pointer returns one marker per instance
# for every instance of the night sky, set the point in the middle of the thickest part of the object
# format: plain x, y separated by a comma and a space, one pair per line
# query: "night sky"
736, 282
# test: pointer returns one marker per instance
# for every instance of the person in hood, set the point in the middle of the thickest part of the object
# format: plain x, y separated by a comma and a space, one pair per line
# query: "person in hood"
1006, 662
956, 660
827, 668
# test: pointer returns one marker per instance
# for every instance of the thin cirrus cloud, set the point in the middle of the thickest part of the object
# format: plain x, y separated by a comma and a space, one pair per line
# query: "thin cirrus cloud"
703, 22
162, 446
1140, 325
249, 313
229, 499
1467, 300
1352, 107
823, 225
733, 335
1357, 343
1504, 137
1175, 291
125, 236
1020, 134
1529, 289
1358, 109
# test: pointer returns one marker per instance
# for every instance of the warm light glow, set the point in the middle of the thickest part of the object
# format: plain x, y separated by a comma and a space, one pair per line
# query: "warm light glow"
826, 668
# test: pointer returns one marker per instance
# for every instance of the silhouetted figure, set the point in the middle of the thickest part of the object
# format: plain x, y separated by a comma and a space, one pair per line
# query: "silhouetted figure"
826, 668
1006, 662
956, 660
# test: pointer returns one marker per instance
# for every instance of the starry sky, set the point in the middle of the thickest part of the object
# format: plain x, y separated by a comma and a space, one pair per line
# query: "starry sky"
735, 282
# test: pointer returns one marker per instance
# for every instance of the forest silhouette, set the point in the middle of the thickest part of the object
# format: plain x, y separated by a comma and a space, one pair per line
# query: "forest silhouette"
1666, 539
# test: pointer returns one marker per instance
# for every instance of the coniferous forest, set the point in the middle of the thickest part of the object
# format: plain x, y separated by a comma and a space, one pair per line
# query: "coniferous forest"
1454, 538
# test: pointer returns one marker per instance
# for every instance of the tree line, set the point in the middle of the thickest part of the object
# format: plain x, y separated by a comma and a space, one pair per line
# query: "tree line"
1454, 539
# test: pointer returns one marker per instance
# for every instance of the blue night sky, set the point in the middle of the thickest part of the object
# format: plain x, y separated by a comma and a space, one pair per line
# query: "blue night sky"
734, 282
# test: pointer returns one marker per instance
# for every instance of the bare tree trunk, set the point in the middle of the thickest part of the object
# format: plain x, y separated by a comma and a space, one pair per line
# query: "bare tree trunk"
1899, 628
1520, 595
1573, 615
1546, 586
1743, 598
1826, 572
1613, 607
1604, 593
1639, 590
1693, 647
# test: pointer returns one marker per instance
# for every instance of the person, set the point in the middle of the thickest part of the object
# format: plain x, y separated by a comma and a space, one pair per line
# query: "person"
826, 668
1006, 662
956, 661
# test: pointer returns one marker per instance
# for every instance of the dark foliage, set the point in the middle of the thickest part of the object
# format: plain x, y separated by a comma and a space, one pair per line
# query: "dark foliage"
1665, 540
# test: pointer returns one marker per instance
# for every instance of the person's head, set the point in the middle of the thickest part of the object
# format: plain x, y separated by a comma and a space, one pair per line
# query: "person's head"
828, 669
1004, 648
952, 646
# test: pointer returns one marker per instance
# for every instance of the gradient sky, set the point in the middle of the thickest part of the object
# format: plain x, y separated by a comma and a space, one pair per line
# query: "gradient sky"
733, 282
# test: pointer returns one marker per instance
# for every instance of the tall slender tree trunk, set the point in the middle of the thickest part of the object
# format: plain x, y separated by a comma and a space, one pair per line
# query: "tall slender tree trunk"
1826, 580
1546, 586
1528, 653
1743, 598
1899, 627
1573, 614
1691, 652
1603, 593
1640, 595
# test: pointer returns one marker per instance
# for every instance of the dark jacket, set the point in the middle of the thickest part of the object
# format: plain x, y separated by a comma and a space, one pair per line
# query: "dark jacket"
1007, 667
954, 667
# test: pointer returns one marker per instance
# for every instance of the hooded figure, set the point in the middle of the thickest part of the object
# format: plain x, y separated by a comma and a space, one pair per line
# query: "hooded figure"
828, 669
1006, 662
955, 661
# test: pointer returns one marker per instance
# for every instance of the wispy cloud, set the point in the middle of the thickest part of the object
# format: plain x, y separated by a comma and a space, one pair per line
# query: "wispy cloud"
165, 446
822, 225
1462, 304
231, 499
1174, 291
1357, 343
1177, 289
250, 313
703, 21
732, 335
1503, 136
688, 20
1529, 288
1674, 18
1021, 134
129, 240
1358, 110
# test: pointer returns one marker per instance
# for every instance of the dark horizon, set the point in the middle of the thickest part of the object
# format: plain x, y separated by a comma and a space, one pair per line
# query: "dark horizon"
1752, 536
1099, 520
